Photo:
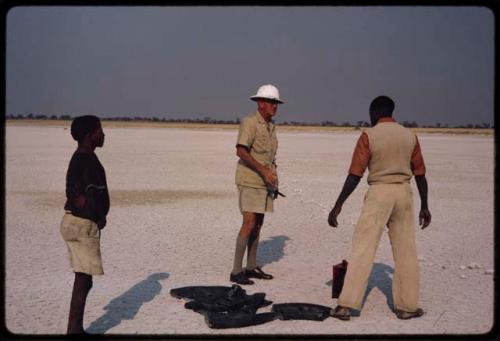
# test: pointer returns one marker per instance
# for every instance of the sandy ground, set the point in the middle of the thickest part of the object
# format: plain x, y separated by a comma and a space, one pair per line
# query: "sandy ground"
174, 220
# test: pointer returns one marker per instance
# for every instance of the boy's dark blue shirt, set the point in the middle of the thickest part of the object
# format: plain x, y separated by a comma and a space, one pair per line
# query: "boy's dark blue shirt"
86, 176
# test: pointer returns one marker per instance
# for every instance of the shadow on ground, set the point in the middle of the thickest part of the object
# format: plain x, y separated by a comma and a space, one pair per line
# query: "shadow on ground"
381, 278
271, 250
126, 306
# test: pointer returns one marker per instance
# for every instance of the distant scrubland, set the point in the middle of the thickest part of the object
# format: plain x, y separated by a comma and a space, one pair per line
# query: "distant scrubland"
209, 123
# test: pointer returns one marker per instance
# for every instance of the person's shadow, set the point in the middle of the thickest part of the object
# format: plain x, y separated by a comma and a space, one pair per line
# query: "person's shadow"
126, 306
381, 278
271, 250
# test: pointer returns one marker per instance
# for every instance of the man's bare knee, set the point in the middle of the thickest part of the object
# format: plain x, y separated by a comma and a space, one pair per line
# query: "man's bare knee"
249, 221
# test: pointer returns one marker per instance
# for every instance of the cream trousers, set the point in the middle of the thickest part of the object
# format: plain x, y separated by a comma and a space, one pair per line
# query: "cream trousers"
384, 205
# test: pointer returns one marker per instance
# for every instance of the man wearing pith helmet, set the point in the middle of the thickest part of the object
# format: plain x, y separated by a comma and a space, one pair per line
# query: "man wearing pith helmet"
255, 176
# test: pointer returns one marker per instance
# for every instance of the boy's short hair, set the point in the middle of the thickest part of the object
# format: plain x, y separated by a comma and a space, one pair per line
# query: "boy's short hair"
382, 106
83, 125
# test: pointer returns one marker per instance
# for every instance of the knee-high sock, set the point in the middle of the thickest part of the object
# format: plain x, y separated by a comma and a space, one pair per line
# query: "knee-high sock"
253, 242
81, 288
241, 245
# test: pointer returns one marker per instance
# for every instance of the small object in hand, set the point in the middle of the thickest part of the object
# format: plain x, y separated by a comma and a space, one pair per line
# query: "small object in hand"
274, 192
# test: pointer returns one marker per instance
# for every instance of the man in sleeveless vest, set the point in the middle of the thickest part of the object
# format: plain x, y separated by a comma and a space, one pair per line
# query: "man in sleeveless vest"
256, 178
392, 154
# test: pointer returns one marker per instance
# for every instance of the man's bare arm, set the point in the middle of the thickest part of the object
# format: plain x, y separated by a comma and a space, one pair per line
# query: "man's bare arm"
424, 218
265, 172
349, 186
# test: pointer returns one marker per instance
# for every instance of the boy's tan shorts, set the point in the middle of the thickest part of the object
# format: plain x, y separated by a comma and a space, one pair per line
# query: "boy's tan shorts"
82, 237
254, 200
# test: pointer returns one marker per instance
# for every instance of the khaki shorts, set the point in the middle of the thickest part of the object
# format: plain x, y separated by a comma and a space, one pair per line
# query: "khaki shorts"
82, 237
255, 200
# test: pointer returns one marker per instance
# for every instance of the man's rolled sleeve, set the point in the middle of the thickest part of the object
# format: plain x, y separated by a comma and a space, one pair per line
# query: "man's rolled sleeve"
246, 134
360, 156
417, 160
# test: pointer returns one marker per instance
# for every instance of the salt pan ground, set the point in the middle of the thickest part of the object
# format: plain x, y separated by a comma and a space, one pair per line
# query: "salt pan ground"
174, 219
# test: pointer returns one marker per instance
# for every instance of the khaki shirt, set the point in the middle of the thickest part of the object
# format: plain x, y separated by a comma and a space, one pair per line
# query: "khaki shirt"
259, 137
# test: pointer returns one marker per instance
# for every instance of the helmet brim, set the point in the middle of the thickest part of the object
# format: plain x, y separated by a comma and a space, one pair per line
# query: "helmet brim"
255, 98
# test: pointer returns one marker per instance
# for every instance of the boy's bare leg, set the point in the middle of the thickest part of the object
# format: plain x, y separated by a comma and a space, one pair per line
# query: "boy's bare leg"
81, 288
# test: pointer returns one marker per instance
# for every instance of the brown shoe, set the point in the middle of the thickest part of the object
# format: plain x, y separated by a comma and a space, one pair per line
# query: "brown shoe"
257, 273
240, 278
406, 315
341, 313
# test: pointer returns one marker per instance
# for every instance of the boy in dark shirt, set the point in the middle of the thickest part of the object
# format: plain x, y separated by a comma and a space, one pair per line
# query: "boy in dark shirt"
86, 208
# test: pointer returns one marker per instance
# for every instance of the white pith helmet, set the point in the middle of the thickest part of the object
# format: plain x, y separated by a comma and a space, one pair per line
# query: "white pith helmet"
268, 92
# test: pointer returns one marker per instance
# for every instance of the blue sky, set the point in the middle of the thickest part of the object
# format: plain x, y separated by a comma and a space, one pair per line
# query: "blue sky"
329, 62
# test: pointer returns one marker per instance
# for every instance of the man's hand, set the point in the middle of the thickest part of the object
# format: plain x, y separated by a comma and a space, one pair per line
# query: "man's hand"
269, 176
424, 218
101, 223
332, 217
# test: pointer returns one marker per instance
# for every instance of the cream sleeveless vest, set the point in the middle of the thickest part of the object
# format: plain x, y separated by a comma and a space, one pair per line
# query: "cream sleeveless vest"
391, 147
